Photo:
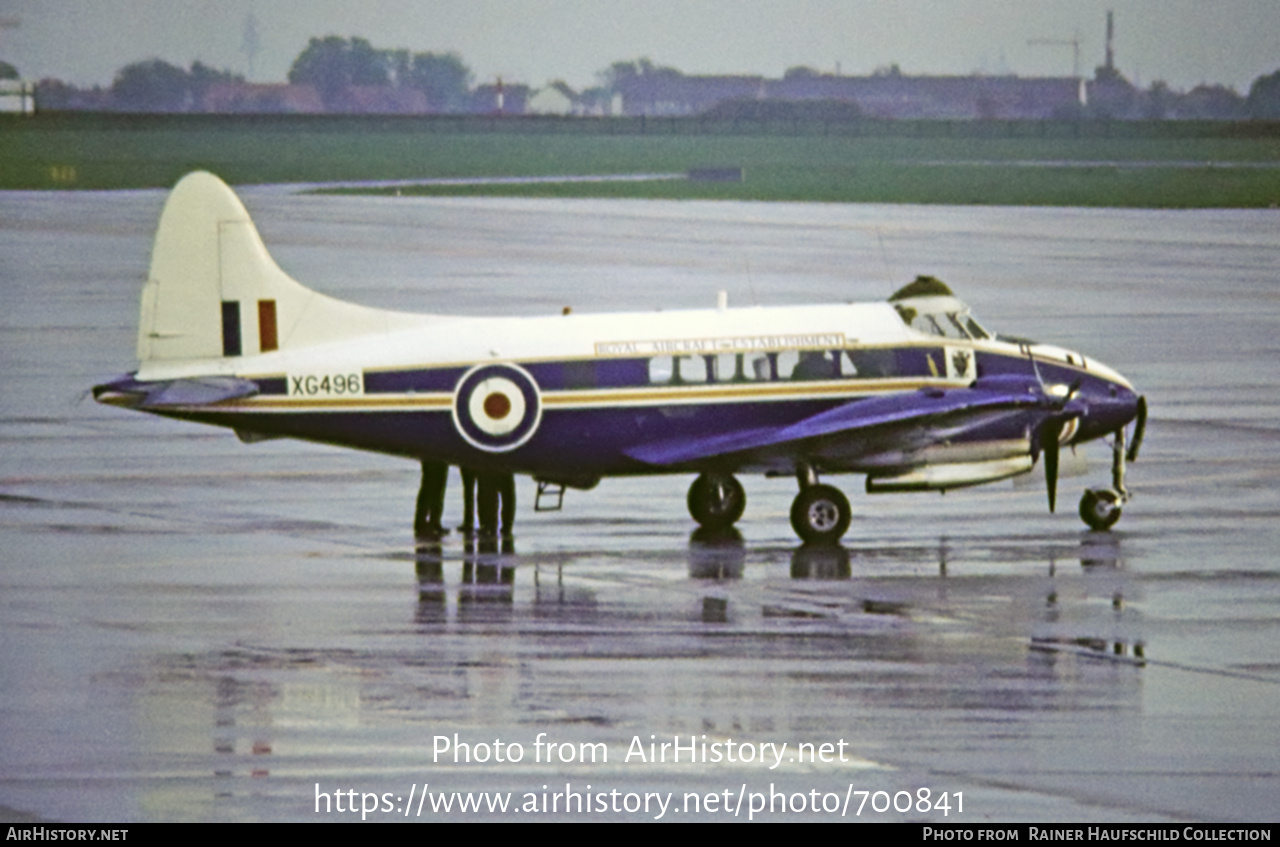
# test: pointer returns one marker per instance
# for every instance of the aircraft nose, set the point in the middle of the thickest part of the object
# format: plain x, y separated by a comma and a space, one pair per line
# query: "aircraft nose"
1113, 407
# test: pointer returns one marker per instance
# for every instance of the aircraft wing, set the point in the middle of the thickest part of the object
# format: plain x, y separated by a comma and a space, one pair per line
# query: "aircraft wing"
912, 412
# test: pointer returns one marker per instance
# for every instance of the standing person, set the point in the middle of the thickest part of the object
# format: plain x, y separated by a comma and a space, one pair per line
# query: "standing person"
487, 495
496, 503
507, 493
430, 506
468, 525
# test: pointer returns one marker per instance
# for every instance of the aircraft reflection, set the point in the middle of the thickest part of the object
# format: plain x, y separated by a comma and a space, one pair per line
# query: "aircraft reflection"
1080, 611
821, 561
966, 609
486, 580
717, 554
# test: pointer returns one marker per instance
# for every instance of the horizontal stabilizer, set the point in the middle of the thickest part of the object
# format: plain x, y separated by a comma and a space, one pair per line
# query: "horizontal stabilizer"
193, 391
199, 391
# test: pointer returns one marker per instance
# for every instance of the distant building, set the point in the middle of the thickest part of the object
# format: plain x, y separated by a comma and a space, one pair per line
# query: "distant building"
17, 95
555, 99
676, 94
891, 95
500, 99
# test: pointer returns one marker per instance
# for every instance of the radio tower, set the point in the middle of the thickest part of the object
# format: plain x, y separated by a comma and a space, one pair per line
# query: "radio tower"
1111, 34
1108, 72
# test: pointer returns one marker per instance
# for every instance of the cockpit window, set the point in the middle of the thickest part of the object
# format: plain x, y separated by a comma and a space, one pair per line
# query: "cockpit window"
940, 324
944, 324
974, 329
926, 324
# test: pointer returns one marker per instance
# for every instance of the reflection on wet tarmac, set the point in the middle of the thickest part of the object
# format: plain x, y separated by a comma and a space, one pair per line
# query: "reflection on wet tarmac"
825, 583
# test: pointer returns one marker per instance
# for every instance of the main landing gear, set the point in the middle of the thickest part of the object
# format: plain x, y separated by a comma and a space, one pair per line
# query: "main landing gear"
820, 514
716, 501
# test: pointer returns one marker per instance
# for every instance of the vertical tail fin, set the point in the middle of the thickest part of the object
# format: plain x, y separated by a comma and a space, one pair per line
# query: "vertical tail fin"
214, 292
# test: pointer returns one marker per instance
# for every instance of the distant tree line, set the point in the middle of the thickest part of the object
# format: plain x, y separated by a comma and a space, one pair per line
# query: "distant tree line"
333, 65
351, 75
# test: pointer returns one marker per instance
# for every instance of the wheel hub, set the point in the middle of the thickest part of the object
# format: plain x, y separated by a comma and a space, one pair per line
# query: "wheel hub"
823, 515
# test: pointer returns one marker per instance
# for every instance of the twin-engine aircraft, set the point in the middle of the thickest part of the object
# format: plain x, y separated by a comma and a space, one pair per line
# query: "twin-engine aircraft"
912, 393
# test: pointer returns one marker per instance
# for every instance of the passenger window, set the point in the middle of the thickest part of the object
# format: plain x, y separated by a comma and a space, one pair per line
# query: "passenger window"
661, 370
786, 363
724, 367
756, 366
815, 364
871, 364
847, 368
691, 369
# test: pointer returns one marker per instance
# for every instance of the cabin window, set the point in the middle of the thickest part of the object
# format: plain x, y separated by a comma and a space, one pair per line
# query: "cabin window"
873, 364
815, 364
661, 370
724, 367
784, 363
691, 369
798, 365
757, 366
847, 367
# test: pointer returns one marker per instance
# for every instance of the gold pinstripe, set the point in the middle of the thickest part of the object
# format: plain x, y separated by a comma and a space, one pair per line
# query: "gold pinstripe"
681, 394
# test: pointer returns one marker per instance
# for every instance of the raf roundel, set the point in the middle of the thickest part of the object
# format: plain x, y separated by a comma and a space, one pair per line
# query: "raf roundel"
497, 407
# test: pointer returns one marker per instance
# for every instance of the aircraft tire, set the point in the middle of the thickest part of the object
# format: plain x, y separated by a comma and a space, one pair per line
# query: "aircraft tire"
820, 514
716, 501
1100, 509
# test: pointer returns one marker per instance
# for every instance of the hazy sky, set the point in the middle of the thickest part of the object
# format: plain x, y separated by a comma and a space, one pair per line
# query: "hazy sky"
1183, 42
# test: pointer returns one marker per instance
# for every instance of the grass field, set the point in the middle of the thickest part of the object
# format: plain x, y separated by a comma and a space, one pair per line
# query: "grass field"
954, 163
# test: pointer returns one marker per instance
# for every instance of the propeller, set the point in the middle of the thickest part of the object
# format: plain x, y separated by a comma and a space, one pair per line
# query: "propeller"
1051, 436
1050, 433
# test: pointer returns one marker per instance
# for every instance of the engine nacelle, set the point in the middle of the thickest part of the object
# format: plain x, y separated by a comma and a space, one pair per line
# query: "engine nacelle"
953, 475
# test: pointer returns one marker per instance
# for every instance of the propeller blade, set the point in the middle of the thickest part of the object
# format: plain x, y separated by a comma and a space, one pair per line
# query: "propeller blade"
1139, 429
1050, 433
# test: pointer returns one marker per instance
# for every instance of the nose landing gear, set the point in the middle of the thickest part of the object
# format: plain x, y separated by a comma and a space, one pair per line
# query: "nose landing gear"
1100, 507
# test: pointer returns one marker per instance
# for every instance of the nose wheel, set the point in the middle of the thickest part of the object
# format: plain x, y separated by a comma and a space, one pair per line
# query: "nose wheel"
716, 501
1100, 508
